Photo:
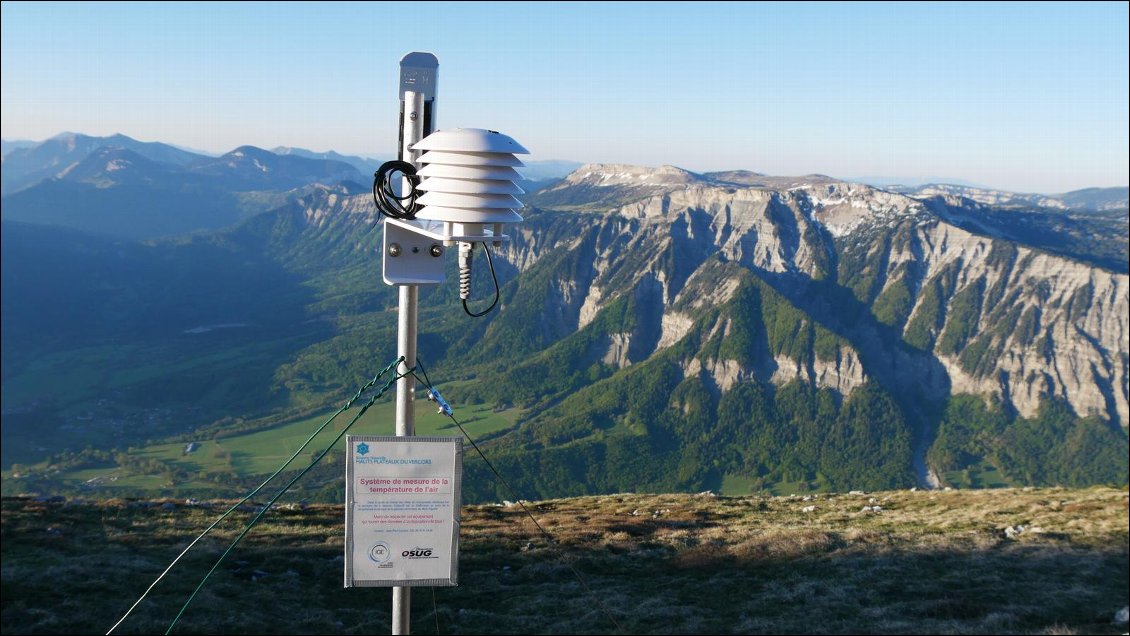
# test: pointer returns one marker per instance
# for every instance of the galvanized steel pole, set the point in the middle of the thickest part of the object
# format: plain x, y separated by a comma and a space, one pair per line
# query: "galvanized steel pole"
417, 92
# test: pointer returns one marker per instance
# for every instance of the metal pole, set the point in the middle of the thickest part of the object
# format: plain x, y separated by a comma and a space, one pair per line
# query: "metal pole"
405, 427
413, 128
406, 347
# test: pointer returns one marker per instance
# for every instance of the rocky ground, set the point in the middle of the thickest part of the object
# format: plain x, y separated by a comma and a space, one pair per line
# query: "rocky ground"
992, 561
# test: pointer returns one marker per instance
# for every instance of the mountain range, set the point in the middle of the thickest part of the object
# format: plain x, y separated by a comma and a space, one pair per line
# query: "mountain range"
660, 329
1087, 199
117, 186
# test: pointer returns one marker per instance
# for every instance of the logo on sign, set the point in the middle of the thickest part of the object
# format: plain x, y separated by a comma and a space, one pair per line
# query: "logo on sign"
362, 449
418, 553
379, 552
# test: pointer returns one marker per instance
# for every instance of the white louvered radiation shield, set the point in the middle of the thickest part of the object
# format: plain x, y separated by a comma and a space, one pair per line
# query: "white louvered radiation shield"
469, 184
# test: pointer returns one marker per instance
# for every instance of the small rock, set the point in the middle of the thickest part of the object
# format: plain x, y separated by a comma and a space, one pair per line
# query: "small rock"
507, 503
635, 513
529, 546
1012, 532
191, 501
807, 498
1122, 616
872, 509
505, 568
914, 489
857, 492
808, 509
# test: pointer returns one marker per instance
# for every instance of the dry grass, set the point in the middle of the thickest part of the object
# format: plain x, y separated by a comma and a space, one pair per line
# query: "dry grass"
928, 562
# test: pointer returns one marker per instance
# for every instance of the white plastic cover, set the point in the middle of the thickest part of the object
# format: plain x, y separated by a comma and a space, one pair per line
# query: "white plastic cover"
470, 158
469, 186
470, 140
468, 215
472, 201
469, 172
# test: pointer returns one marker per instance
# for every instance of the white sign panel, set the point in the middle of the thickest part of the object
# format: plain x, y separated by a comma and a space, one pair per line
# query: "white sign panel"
402, 499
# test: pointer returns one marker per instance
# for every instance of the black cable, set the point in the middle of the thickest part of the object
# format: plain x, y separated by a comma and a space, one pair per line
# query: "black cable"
420, 364
548, 537
486, 311
384, 196
435, 609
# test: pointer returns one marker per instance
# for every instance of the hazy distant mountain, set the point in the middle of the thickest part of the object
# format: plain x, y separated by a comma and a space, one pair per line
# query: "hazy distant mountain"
24, 167
117, 192
910, 182
8, 145
547, 169
251, 168
366, 165
1097, 199
117, 187
740, 177
109, 166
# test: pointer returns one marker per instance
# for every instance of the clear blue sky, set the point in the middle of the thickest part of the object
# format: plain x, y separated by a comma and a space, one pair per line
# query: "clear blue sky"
1023, 96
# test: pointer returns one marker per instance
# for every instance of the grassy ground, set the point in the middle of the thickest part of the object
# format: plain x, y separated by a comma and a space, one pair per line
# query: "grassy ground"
979, 476
927, 562
261, 452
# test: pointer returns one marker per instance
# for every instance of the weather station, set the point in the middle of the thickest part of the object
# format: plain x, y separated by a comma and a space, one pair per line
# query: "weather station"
447, 189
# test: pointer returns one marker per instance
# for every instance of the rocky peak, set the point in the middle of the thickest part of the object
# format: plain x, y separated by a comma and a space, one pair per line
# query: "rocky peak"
1034, 324
613, 174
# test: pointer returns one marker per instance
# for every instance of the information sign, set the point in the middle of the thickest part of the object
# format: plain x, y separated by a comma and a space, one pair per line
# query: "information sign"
402, 500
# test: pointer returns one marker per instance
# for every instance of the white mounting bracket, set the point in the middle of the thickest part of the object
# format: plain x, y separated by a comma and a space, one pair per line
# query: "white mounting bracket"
411, 258
413, 250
